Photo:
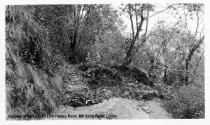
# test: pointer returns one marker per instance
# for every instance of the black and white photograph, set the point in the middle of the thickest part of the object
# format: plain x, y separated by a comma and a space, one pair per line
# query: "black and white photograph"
117, 61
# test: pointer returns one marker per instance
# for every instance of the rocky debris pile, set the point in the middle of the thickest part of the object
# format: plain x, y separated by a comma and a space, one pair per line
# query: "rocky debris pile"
100, 75
149, 95
139, 75
77, 100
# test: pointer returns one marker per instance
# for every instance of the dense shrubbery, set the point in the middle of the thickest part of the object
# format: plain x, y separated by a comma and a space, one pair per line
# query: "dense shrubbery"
188, 102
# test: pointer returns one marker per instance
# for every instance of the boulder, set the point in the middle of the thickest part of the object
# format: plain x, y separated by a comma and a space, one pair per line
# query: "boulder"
78, 100
139, 75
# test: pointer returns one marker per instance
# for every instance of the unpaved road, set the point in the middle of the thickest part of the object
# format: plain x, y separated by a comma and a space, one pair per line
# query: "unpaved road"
119, 108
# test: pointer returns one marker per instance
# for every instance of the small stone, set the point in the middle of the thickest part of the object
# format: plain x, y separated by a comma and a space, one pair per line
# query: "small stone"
126, 93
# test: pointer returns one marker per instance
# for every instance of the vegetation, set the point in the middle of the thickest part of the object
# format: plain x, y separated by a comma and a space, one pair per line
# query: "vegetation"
55, 53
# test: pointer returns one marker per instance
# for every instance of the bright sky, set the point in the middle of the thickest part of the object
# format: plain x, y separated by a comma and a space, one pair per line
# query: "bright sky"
166, 16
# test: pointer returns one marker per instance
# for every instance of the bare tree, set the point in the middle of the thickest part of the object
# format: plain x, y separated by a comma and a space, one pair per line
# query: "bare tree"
138, 13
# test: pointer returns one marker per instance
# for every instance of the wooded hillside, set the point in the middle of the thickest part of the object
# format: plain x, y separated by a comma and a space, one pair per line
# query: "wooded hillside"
56, 54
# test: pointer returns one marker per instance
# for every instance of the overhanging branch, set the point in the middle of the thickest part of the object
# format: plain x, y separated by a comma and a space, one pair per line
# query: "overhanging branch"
160, 12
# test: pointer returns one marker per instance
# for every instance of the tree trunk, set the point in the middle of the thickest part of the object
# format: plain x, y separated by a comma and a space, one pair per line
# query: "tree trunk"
189, 59
128, 57
165, 79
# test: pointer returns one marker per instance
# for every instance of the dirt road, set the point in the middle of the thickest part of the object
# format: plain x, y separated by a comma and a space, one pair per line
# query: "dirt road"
115, 108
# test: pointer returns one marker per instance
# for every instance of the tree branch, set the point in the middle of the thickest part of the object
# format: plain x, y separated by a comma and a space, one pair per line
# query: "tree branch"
160, 11
147, 22
198, 62
131, 19
185, 18
136, 17
197, 23
194, 49
201, 31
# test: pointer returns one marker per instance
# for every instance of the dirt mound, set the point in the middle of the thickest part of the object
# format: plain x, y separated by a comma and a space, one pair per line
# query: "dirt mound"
111, 75
100, 75
138, 74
